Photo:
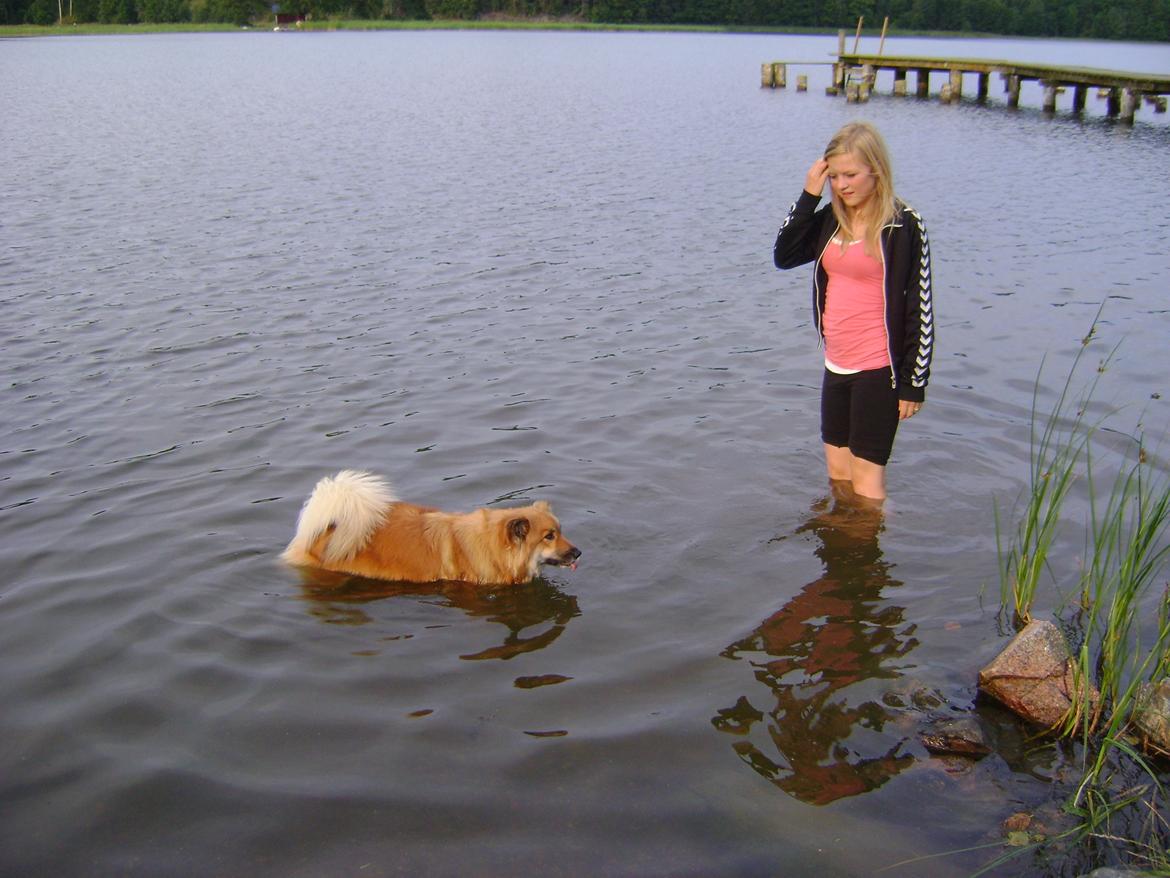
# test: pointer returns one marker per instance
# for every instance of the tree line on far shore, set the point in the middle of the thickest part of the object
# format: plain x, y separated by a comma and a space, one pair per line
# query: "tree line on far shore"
1098, 19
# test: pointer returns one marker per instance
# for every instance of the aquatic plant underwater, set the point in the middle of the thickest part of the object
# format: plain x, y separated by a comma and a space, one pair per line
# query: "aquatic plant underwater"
1117, 807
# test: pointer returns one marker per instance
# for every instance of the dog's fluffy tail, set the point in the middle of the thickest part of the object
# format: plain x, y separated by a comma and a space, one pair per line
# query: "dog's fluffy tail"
353, 504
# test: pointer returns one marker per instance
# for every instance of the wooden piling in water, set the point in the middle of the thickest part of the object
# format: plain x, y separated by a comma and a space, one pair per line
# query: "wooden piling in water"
1011, 84
956, 84
1079, 98
1049, 103
923, 82
1129, 102
774, 75
839, 67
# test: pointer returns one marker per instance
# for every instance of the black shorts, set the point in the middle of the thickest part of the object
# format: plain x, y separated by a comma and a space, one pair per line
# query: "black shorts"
860, 412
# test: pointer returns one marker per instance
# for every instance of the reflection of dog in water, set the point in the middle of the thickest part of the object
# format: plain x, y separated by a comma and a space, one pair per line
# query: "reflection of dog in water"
353, 523
534, 613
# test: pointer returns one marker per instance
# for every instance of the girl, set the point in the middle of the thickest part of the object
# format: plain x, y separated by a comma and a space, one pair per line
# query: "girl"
871, 302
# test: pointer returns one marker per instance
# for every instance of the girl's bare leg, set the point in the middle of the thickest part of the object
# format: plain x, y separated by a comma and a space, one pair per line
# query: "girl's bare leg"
868, 478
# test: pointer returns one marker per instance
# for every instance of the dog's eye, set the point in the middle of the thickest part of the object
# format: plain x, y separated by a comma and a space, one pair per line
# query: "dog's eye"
550, 536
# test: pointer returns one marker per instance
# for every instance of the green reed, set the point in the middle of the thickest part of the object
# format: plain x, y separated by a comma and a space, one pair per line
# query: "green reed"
1119, 801
1055, 453
1125, 554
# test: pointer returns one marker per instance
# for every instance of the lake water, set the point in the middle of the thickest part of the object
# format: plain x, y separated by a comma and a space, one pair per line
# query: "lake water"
498, 267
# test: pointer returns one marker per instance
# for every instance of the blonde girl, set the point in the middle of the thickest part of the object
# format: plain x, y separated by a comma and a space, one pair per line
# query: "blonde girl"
872, 302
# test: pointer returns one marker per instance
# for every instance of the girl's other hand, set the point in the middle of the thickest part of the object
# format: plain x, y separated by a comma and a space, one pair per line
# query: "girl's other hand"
814, 181
907, 409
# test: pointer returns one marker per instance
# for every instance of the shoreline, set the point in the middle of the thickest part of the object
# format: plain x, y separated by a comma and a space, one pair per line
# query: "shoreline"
10, 31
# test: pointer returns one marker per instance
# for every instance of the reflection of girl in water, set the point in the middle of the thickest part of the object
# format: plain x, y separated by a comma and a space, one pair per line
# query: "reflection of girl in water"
836, 633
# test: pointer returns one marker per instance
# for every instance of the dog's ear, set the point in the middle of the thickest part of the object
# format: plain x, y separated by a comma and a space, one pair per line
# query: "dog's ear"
541, 506
518, 529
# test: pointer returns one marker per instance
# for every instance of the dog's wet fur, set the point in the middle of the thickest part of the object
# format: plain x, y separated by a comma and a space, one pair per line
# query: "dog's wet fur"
352, 523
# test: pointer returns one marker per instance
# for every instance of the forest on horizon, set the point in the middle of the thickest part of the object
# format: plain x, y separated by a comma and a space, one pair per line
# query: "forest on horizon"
1146, 20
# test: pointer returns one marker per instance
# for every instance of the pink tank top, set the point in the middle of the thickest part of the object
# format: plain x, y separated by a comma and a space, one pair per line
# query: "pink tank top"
855, 309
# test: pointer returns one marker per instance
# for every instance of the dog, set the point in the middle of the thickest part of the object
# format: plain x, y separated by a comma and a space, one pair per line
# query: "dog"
353, 523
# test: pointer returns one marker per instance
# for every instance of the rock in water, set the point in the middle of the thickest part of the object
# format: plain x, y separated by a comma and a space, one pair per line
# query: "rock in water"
1034, 675
962, 736
1153, 716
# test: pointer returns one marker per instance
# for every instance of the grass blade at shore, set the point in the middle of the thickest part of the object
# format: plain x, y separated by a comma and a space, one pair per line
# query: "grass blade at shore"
1054, 458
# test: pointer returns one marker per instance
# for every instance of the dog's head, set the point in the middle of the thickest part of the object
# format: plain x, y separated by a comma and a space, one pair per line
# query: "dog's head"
536, 531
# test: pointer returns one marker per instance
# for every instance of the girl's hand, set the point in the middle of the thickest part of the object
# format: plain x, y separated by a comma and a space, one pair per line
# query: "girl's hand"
907, 409
814, 181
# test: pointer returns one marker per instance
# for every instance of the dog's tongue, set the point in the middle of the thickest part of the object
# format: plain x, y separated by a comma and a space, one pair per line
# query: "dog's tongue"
573, 566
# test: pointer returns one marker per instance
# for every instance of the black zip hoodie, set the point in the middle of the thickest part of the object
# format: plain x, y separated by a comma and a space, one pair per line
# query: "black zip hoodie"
803, 237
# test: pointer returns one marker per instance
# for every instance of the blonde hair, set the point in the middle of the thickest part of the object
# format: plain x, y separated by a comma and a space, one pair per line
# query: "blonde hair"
862, 140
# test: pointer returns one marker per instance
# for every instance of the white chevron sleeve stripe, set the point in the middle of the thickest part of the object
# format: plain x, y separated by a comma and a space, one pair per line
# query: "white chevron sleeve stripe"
788, 218
922, 357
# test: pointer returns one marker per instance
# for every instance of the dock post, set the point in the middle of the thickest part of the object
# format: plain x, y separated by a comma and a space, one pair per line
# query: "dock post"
1113, 107
779, 74
834, 86
923, 81
766, 76
946, 94
802, 82
1160, 104
857, 85
1079, 93
983, 78
900, 83
1049, 97
956, 84
1129, 102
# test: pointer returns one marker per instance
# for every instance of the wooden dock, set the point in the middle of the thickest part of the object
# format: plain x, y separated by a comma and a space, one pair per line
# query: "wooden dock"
855, 74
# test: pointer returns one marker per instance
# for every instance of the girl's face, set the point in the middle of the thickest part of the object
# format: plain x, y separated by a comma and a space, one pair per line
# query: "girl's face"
853, 182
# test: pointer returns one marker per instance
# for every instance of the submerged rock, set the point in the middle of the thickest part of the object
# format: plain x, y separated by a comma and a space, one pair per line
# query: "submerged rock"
1034, 675
1152, 716
1018, 822
962, 736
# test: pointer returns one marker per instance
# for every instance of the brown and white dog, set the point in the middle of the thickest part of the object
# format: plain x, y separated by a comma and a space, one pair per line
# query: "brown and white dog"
353, 523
